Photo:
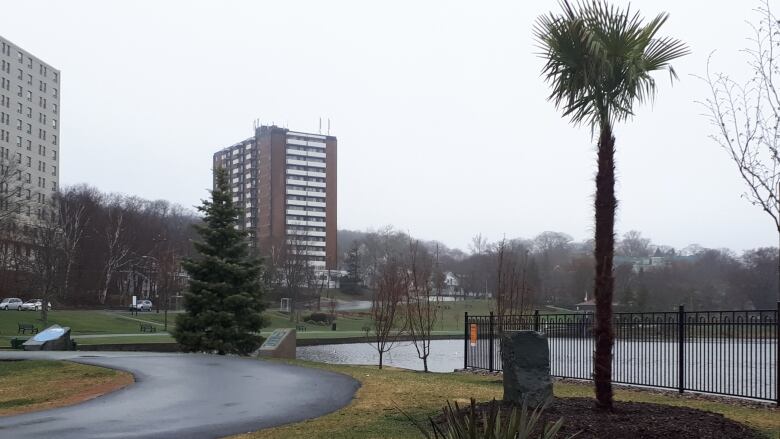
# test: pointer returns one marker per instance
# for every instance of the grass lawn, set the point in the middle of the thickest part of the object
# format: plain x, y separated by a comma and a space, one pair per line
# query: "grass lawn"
160, 337
31, 385
372, 414
98, 322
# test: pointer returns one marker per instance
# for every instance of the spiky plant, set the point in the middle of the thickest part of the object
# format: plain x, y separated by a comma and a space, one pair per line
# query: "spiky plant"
518, 423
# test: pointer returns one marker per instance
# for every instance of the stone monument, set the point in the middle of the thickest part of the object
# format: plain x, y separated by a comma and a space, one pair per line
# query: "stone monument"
280, 344
525, 358
53, 338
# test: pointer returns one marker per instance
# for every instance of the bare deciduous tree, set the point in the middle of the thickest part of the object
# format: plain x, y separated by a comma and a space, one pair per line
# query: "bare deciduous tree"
295, 270
45, 264
746, 116
512, 288
387, 323
422, 301
118, 250
478, 245
634, 245
73, 222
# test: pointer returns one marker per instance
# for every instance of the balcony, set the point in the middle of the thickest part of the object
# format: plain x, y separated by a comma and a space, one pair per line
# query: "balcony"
291, 151
306, 233
311, 143
297, 172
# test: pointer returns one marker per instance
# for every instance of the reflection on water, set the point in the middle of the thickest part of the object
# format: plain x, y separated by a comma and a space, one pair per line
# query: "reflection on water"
446, 355
721, 366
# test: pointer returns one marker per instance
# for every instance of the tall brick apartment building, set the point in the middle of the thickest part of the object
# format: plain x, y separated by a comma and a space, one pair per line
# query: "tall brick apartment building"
285, 181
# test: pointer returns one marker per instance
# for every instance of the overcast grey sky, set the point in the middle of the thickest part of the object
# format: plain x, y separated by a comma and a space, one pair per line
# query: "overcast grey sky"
443, 125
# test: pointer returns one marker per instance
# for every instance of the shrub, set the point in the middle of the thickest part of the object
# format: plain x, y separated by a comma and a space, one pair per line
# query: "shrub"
317, 317
517, 424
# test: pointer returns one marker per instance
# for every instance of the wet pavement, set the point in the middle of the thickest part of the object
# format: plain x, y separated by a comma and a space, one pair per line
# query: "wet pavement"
185, 396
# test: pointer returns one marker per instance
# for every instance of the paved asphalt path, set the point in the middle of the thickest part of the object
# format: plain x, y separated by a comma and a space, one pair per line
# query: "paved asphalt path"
185, 396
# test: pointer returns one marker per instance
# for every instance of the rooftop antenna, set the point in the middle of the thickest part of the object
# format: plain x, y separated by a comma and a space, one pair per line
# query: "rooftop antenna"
320, 130
329, 126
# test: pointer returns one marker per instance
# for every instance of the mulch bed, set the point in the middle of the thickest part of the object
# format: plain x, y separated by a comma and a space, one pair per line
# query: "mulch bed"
632, 420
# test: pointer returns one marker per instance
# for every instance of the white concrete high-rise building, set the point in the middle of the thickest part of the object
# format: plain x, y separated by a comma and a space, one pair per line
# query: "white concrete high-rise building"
29, 128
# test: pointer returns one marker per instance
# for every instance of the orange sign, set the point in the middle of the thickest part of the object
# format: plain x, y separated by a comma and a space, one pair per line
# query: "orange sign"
473, 334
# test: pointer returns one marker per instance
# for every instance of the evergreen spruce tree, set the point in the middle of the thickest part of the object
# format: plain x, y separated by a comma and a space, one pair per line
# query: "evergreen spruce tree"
223, 303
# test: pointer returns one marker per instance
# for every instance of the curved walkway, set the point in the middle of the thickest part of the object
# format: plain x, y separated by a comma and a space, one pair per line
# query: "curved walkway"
185, 396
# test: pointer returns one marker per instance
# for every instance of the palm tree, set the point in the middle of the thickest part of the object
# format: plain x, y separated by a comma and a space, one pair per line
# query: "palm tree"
598, 64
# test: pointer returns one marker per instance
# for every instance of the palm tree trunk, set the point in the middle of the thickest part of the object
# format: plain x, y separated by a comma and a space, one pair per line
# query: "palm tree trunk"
604, 282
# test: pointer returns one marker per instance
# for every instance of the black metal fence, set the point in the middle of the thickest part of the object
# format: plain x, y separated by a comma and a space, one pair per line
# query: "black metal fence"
733, 353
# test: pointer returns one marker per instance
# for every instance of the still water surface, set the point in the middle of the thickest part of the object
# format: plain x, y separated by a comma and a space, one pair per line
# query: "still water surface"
718, 366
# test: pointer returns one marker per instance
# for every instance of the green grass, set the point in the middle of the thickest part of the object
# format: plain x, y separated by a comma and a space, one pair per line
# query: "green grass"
373, 414
348, 324
36, 384
80, 322
133, 339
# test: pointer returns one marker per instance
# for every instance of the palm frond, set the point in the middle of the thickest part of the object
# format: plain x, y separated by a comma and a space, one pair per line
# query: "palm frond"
599, 59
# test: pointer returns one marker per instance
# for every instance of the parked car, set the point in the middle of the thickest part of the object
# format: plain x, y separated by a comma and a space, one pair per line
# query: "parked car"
142, 305
33, 305
10, 303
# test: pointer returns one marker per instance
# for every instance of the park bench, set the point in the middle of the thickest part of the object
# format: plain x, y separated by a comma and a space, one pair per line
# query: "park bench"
25, 327
148, 327
301, 328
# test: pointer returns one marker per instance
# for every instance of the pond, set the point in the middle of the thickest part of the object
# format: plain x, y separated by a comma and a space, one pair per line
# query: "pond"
717, 366
446, 355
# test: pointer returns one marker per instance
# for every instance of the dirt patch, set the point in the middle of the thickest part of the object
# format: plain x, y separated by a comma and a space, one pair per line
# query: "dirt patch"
632, 420
34, 388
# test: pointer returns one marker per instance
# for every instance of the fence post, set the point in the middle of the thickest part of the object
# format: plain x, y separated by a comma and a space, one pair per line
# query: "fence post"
777, 355
681, 348
490, 348
536, 320
466, 340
